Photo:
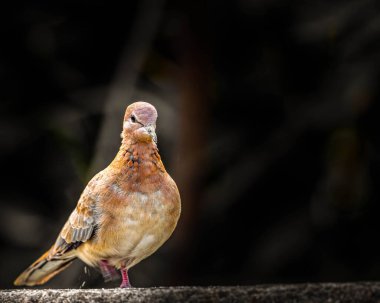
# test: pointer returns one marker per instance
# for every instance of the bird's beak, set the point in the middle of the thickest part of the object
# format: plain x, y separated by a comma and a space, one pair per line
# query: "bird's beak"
151, 130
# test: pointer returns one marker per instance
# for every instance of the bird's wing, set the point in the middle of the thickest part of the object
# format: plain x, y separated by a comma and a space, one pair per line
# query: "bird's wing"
82, 222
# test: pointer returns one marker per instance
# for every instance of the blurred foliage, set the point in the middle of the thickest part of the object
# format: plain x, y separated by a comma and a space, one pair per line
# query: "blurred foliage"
268, 121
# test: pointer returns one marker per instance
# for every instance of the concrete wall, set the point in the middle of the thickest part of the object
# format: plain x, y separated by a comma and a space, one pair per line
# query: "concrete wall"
310, 293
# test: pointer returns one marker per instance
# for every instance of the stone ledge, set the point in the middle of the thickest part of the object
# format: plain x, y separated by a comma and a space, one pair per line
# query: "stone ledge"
324, 292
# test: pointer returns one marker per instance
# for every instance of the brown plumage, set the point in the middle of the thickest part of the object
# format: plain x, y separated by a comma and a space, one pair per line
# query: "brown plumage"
125, 213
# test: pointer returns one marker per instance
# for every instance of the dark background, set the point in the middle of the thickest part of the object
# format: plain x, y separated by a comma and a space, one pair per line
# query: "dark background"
268, 122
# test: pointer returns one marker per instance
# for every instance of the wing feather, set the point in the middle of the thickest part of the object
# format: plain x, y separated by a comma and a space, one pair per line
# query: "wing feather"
82, 222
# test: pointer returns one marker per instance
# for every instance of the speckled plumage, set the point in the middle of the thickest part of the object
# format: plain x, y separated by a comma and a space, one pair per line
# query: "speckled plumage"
125, 213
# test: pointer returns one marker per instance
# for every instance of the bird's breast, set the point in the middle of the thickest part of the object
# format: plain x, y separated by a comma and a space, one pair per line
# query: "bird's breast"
136, 227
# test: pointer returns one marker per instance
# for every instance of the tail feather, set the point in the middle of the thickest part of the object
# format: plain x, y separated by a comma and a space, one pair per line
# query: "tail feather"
43, 269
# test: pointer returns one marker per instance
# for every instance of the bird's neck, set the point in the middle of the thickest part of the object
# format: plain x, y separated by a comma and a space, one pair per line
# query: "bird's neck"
140, 159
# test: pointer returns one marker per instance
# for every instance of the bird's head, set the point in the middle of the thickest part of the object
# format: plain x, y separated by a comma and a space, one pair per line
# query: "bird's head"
140, 122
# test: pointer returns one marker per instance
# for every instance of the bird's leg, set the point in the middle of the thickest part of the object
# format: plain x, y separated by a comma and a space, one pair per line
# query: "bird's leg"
125, 279
108, 272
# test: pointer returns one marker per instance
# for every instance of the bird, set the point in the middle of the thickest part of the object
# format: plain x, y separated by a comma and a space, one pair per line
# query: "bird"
124, 214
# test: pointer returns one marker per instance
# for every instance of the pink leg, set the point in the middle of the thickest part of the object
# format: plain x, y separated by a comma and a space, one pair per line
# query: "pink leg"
109, 273
125, 280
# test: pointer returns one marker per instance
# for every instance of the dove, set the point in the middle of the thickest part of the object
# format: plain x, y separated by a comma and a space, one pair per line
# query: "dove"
124, 214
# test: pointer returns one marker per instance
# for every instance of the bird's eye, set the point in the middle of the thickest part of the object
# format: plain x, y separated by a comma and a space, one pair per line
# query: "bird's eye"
133, 119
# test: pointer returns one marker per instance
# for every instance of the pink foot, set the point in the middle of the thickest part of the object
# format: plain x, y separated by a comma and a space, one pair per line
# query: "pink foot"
125, 279
108, 272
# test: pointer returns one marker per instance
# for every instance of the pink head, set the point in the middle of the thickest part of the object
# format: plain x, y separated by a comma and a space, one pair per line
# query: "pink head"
140, 122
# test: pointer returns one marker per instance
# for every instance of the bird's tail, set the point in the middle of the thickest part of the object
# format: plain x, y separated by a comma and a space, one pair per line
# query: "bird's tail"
45, 268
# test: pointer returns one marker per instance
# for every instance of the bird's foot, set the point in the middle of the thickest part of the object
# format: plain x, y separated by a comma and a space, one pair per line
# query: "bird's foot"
108, 272
125, 279
125, 285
